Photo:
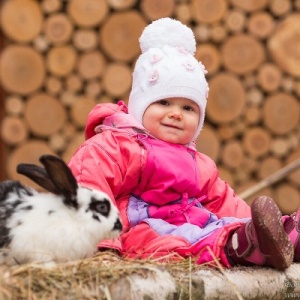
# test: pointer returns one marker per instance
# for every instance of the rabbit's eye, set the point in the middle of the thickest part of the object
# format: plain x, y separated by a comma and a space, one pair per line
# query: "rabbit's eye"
102, 207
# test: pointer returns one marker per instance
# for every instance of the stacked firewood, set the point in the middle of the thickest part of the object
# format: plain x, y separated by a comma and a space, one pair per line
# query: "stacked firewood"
60, 58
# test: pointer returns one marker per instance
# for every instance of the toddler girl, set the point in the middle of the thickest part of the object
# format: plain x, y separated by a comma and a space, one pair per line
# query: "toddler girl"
171, 199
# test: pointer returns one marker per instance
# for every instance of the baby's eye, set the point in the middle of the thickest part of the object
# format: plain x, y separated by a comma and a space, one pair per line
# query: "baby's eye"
188, 108
163, 102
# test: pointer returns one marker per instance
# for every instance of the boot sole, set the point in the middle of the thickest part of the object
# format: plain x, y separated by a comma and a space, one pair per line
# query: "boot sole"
274, 242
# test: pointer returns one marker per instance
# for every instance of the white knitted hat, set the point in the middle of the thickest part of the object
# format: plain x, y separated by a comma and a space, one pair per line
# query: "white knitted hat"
167, 68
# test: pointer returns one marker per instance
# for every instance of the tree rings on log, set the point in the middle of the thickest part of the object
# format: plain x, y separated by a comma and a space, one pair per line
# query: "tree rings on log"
261, 24
209, 55
58, 28
208, 142
91, 65
13, 130
61, 60
242, 54
269, 77
117, 79
250, 6
232, 154
21, 20
121, 4
226, 98
257, 141
284, 45
85, 39
156, 9
80, 110
281, 113
119, 35
26, 73
87, 13
207, 11
29, 152
44, 114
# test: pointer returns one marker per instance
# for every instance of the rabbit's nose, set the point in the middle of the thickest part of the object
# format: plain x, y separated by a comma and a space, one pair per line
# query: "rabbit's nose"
118, 225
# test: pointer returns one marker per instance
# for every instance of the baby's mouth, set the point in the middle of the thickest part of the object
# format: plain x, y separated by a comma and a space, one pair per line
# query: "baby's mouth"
171, 126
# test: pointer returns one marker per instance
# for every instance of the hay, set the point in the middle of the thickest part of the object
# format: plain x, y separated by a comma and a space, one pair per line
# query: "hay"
84, 279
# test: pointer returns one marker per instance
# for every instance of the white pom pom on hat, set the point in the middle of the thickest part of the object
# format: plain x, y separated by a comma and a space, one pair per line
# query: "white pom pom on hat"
167, 68
167, 32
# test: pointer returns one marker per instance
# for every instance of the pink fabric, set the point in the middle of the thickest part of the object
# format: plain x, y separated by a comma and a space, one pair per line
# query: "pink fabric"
114, 161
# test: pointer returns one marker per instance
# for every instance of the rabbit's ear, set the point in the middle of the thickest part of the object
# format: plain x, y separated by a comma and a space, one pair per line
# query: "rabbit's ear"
38, 175
62, 178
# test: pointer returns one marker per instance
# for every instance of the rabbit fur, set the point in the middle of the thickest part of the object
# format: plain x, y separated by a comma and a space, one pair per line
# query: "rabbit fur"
63, 225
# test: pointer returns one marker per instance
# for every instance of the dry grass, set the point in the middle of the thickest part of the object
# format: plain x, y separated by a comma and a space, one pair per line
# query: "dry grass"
85, 279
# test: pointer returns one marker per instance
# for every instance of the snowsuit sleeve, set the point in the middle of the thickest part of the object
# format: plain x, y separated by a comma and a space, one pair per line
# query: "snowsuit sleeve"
221, 199
108, 161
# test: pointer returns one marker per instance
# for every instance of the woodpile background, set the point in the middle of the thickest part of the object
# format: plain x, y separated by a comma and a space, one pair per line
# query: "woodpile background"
60, 58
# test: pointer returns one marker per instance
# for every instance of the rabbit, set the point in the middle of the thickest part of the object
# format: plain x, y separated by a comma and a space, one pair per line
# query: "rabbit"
63, 225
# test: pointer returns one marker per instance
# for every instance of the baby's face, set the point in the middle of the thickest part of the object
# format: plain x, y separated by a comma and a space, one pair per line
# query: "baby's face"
173, 120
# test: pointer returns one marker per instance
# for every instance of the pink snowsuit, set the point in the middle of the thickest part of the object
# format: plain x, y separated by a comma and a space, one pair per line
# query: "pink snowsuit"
170, 197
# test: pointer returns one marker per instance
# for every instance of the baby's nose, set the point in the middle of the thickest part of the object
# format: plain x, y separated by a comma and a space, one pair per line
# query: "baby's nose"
176, 114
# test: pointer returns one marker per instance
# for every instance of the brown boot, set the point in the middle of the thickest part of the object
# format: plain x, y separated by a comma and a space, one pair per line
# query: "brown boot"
262, 241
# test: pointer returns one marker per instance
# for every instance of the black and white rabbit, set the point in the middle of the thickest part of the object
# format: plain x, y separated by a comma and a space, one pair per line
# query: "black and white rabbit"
63, 225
